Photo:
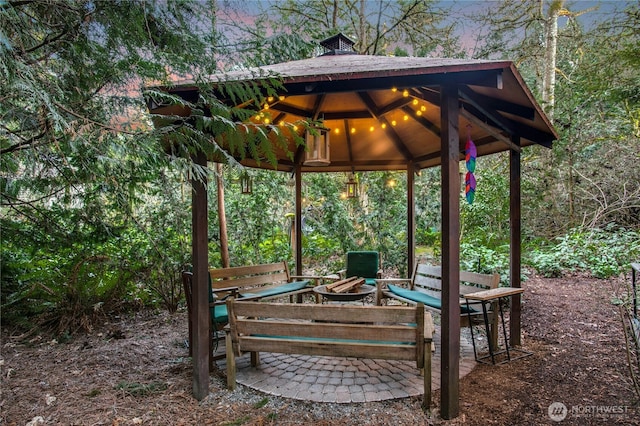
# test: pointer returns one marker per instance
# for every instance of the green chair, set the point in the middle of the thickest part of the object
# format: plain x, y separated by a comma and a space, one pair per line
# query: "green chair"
217, 310
363, 264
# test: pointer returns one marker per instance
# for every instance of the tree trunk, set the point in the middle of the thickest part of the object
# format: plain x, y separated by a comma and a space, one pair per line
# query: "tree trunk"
551, 43
224, 241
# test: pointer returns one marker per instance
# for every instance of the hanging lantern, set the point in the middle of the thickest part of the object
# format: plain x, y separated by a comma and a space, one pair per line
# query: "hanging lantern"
317, 153
352, 187
246, 183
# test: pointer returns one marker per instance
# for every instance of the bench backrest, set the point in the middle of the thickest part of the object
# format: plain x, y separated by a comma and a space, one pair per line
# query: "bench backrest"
385, 332
428, 278
245, 277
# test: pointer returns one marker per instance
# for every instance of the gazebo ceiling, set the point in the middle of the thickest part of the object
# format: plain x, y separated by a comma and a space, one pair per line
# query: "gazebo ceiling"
384, 112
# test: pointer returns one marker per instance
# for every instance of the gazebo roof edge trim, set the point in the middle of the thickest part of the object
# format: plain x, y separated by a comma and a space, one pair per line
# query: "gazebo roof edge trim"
334, 68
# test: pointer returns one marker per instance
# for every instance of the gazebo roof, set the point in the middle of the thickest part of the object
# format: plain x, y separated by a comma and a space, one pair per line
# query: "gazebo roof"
384, 112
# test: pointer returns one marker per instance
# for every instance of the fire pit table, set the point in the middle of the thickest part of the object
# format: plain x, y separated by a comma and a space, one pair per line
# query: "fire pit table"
354, 291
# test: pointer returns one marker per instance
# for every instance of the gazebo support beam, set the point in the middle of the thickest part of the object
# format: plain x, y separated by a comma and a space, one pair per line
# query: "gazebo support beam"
298, 218
516, 242
411, 218
450, 196
199, 243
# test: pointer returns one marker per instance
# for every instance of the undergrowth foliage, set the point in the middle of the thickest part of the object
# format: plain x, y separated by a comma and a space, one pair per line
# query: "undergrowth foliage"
602, 252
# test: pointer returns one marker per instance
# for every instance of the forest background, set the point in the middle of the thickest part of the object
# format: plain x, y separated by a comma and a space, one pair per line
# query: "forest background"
95, 217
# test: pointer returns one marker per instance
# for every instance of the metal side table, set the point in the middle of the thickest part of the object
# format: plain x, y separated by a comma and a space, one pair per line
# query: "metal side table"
485, 298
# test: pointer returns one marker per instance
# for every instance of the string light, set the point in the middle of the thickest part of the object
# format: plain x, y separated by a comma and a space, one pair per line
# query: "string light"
336, 131
418, 113
281, 97
394, 89
406, 117
405, 93
384, 125
371, 129
423, 108
393, 123
415, 102
353, 130
270, 99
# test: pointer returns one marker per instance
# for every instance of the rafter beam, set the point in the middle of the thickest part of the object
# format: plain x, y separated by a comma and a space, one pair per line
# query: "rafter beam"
472, 97
370, 104
522, 130
488, 128
431, 96
317, 107
397, 140
506, 106
422, 120
348, 137
486, 113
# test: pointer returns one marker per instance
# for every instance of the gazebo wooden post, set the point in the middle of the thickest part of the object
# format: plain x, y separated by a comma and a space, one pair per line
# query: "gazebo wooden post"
450, 196
516, 243
298, 220
411, 221
199, 242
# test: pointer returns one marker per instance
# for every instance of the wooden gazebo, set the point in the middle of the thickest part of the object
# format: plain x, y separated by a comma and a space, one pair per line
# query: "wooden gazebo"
388, 113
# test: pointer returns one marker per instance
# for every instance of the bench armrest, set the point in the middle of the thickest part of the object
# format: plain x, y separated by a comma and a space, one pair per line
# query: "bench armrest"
314, 278
233, 291
338, 275
382, 282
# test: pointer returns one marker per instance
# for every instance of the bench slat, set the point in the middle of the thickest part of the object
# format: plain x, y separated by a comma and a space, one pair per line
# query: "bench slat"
328, 348
248, 270
250, 281
340, 313
390, 333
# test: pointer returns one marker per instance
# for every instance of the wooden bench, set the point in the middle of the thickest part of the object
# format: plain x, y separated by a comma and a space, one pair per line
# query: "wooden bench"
373, 332
425, 286
264, 281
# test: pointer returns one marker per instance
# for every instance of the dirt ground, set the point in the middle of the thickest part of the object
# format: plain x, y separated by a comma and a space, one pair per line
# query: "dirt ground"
135, 370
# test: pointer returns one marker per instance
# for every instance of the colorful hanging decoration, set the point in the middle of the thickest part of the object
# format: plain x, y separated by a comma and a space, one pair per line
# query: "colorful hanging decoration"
470, 159
470, 187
